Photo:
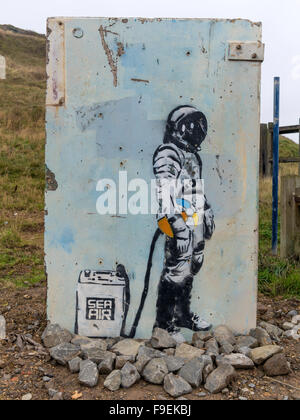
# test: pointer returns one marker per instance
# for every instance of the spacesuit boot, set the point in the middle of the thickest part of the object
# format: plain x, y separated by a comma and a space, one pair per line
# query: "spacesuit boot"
184, 317
166, 301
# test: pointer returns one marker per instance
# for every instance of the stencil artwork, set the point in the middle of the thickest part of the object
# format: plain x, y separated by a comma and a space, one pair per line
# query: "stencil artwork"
188, 222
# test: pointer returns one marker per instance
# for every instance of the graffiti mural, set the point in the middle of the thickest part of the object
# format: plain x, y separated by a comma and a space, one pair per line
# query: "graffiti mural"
103, 298
189, 222
151, 169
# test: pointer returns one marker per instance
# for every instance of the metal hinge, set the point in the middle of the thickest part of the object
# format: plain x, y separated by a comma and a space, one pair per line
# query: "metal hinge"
246, 51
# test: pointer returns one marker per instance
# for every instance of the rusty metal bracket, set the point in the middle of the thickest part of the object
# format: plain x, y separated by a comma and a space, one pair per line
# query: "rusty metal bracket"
55, 62
246, 51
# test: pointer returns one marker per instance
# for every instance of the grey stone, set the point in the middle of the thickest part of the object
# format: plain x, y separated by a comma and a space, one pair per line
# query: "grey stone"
238, 361
277, 366
224, 335
27, 397
246, 341
127, 347
107, 365
292, 334
199, 344
296, 319
207, 371
63, 353
274, 332
55, 335
226, 348
261, 354
78, 340
174, 363
2, 328
243, 399
155, 371
202, 336
129, 375
208, 366
292, 313
141, 363
94, 351
88, 374
288, 326
192, 372
52, 392
261, 336
111, 342
212, 348
188, 352
58, 396
74, 365
169, 352
161, 339
176, 386
244, 350
46, 379
220, 378
150, 353
113, 381
122, 360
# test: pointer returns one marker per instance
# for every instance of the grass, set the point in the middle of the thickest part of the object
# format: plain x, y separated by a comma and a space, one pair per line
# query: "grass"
22, 139
276, 276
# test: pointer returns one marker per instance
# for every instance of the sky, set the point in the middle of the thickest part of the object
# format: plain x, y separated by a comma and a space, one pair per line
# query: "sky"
281, 33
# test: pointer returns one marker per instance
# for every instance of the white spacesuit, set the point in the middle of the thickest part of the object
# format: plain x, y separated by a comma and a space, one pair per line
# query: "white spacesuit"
187, 219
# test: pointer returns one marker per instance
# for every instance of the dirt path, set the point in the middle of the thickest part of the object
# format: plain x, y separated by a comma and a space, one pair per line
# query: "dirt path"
23, 368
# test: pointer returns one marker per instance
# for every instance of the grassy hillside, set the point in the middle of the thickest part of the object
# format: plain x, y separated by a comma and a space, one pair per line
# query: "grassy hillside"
22, 98
22, 94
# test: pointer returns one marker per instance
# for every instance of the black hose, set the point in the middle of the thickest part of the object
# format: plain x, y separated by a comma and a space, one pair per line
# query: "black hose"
146, 284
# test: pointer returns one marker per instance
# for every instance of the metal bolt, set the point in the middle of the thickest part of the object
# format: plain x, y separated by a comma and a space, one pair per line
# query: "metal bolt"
254, 55
239, 47
78, 33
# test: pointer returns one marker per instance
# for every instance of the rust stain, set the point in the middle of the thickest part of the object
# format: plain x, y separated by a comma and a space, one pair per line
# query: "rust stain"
111, 32
121, 49
51, 183
140, 80
111, 62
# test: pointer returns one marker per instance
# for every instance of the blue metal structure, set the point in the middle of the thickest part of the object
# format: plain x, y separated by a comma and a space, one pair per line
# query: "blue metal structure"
275, 165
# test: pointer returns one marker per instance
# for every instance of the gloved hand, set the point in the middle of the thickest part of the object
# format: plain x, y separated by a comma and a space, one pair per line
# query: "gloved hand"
182, 233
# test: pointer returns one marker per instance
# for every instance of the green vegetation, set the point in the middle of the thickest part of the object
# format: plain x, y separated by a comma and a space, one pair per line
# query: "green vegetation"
22, 139
22, 98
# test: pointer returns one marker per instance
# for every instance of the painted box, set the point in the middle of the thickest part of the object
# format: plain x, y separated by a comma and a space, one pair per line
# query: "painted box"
152, 174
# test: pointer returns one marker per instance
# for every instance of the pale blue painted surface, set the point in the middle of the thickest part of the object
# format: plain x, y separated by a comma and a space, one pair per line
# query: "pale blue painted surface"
81, 150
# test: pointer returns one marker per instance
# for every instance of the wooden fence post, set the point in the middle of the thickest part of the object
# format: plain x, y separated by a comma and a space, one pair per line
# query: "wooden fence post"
290, 216
266, 151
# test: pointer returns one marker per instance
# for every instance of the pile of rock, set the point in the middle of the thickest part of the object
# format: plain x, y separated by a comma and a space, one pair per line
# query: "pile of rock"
212, 359
292, 329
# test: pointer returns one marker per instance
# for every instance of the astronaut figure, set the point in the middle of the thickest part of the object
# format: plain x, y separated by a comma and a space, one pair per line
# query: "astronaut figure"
187, 220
